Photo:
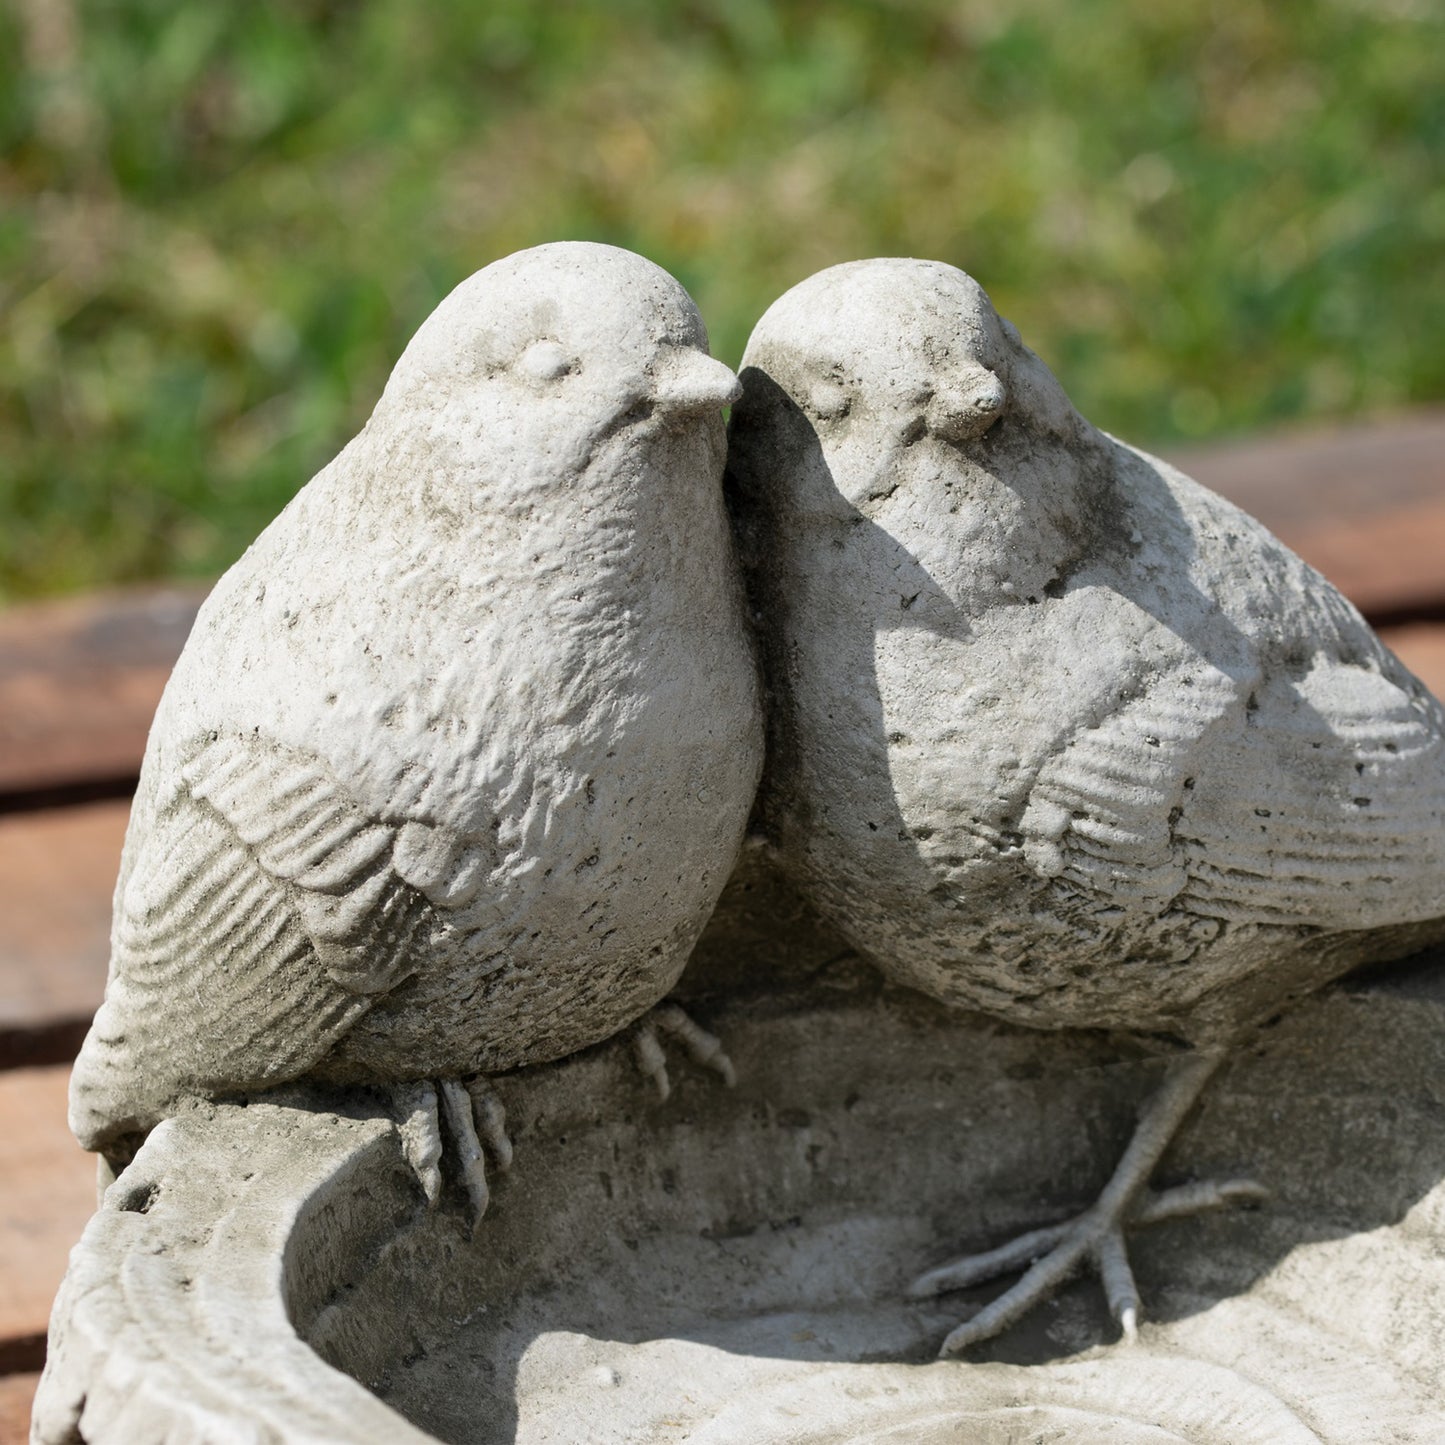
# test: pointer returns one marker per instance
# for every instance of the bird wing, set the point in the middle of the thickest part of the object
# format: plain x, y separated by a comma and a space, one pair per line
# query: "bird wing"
1102, 809
1330, 809
1314, 797
352, 874
265, 912
306, 832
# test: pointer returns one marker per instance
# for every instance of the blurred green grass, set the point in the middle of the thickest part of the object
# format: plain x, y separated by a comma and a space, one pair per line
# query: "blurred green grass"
220, 223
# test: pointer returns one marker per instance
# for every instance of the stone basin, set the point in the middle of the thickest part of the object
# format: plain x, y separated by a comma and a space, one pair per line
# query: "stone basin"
729, 1265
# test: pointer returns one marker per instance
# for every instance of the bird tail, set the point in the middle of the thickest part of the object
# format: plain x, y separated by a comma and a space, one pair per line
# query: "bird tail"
214, 987
118, 1091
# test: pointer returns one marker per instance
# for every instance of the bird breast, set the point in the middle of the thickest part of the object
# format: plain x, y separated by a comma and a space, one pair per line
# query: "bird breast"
559, 725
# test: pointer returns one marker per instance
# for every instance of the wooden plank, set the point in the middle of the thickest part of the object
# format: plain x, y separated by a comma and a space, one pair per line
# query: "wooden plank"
16, 1394
79, 683
1389, 565
1421, 647
57, 872
1365, 503
49, 1195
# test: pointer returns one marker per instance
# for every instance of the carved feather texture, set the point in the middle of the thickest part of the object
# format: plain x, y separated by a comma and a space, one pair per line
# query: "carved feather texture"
1317, 814
1110, 792
440, 863
1328, 810
214, 982
261, 919
362, 917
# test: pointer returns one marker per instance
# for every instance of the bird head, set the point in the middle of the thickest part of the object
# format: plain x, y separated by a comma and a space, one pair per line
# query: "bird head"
541, 362
891, 391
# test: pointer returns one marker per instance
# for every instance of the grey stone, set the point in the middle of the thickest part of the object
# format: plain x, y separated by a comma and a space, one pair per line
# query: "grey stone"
458, 757
728, 1269
1057, 734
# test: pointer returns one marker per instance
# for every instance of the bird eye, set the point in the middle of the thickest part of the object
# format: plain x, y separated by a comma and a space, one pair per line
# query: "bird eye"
828, 401
544, 361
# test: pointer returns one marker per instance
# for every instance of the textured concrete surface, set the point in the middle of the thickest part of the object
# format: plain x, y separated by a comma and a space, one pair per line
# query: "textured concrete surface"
731, 1266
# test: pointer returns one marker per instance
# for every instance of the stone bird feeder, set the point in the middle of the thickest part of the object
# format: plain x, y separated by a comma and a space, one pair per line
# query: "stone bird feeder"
325, 936
729, 1266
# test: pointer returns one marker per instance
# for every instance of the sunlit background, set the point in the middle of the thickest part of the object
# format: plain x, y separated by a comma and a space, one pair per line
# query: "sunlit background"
219, 223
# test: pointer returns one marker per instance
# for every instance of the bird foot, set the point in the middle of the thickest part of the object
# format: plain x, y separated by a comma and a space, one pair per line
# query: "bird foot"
702, 1047
474, 1117
1094, 1238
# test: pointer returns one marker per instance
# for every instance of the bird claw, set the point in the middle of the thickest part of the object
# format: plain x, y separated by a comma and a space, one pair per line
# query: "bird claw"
1055, 1253
702, 1047
421, 1136
474, 1117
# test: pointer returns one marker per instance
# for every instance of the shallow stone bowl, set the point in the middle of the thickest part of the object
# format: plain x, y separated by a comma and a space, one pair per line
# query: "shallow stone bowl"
730, 1265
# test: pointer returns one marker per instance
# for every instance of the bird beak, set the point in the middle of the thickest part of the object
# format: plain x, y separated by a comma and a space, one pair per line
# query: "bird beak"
965, 411
689, 381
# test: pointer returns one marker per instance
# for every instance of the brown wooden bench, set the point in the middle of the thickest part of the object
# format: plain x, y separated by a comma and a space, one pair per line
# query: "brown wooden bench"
79, 681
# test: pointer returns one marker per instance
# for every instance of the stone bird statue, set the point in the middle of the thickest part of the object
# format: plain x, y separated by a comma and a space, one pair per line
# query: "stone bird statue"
1058, 735
459, 755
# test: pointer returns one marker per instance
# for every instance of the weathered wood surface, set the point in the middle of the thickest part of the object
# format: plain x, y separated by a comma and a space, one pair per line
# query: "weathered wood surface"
57, 870
79, 682
1421, 647
79, 679
49, 1194
16, 1393
1364, 503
